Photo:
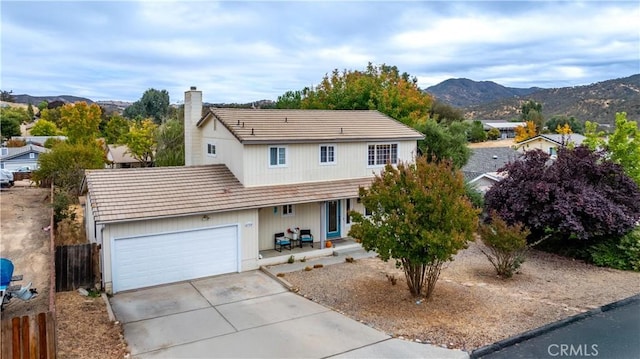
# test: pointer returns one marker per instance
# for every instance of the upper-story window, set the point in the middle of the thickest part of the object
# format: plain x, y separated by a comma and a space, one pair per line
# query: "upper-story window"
32, 155
327, 154
211, 149
277, 156
381, 154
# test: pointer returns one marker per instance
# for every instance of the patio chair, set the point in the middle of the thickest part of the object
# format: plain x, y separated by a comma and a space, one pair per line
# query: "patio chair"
281, 241
306, 237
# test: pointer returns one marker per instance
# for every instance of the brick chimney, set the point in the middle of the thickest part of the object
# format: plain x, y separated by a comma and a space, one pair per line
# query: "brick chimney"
192, 136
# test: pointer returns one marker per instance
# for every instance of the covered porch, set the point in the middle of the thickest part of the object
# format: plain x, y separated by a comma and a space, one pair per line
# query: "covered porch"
326, 221
271, 256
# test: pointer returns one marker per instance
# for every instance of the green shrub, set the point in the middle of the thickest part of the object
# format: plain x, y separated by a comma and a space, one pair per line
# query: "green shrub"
61, 206
493, 134
621, 253
475, 197
507, 244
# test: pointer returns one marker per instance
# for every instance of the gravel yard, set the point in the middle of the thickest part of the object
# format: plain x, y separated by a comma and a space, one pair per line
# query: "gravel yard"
471, 306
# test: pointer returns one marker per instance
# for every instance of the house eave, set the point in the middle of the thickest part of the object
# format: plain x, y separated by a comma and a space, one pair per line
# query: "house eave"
325, 140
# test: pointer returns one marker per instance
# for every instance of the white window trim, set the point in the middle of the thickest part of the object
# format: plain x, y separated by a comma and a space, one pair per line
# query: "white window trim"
286, 156
378, 144
215, 147
32, 155
335, 154
290, 213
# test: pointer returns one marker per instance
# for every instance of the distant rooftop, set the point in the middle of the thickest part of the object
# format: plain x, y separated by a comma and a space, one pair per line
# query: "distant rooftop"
485, 160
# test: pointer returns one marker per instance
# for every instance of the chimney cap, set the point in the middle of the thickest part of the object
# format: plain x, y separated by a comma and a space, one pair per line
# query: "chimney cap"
193, 88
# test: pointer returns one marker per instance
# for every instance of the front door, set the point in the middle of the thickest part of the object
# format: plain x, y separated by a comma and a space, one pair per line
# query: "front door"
333, 219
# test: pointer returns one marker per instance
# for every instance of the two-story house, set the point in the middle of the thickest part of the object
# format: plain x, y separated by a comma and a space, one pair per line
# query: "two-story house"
249, 174
23, 158
549, 143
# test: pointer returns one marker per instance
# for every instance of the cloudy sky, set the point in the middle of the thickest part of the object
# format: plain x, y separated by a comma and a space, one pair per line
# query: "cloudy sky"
244, 51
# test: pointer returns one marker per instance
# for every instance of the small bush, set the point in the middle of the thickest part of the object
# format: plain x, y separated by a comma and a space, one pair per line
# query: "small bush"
319, 265
507, 244
493, 134
291, 259
304, 259
62, 206
622, 253
392, 278
475, 197
308, 268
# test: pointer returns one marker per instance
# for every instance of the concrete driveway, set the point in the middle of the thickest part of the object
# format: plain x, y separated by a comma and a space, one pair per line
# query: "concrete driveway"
249, 315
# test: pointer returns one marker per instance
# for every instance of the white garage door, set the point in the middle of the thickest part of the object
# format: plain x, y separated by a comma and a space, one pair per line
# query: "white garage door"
172, 257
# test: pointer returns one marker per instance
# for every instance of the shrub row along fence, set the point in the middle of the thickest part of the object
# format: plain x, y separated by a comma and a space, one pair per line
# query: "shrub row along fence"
32, 336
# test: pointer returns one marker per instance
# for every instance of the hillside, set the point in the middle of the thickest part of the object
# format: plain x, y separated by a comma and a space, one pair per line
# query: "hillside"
465, 92
596, 102
34, 100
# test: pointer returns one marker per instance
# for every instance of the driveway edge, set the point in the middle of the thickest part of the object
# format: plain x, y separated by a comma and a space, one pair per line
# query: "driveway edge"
280, 280
491, 348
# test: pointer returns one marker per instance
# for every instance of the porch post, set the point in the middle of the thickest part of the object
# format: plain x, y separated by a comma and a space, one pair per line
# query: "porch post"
323, 223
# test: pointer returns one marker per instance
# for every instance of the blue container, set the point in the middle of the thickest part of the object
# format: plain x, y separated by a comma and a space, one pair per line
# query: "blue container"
6, 272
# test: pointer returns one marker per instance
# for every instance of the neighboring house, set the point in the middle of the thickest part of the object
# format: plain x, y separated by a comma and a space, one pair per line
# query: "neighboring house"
119, 157
249, 174
20, 158
507, 129
550, 143
486, 160
485, 181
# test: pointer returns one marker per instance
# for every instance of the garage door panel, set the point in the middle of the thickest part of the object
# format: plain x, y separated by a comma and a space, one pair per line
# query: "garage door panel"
165, 258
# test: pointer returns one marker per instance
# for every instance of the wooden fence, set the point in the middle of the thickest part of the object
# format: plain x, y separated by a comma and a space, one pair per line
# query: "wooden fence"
19, 176
75, 266
32, 336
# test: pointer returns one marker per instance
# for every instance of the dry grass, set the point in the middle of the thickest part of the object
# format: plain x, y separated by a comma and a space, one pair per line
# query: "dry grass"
471, 306
84, 329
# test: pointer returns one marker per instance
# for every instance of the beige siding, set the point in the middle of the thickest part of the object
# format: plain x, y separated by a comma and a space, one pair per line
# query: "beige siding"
228, 148
306, 216
303, 163
89, 221
246, 220
539, 143
484, 184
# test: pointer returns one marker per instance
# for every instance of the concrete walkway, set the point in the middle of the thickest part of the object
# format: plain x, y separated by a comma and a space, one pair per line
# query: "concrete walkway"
337, 257
249, 315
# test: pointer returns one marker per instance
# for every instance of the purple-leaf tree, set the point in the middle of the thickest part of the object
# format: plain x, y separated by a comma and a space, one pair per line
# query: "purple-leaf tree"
580, 195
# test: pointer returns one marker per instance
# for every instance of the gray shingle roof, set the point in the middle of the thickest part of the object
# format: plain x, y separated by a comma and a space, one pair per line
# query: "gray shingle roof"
18, 151
485, 160
290, 126
143, 193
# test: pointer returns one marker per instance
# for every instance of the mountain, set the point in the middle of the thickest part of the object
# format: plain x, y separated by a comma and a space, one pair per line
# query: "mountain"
35, 100
465, 92
596, 102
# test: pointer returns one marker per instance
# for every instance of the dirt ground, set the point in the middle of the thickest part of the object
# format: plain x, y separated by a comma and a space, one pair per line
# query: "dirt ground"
83, 328
490, 144
471, 306
24, 212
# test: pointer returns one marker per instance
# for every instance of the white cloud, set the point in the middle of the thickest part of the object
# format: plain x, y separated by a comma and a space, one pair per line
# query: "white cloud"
243, 51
